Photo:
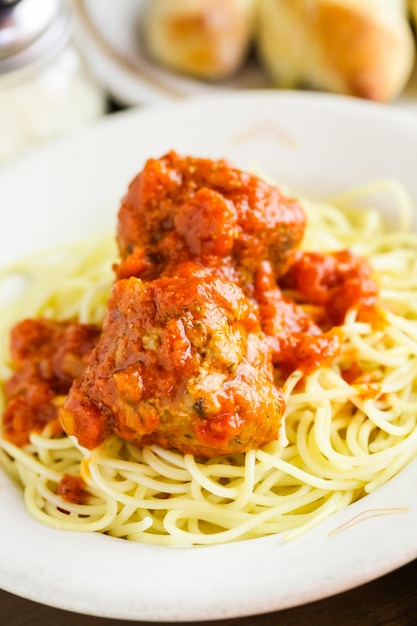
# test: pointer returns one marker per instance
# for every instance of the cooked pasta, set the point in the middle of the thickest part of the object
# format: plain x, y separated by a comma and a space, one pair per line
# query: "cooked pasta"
339, 440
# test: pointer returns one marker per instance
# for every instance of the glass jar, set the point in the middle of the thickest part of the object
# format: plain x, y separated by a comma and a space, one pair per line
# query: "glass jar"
45, 90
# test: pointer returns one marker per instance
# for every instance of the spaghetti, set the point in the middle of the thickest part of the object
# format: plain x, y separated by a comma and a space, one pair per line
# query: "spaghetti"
348, 427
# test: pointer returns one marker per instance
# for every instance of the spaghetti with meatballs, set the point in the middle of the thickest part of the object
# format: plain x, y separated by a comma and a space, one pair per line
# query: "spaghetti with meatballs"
238, 363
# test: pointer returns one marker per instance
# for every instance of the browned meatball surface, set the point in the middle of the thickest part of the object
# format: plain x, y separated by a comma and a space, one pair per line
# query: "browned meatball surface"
194, 209
181, 362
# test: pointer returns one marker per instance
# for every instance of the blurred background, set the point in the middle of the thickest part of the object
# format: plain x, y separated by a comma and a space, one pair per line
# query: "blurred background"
65, 63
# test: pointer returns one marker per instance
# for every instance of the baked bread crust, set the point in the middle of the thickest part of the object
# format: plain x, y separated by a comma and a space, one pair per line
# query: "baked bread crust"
358, 48
207, 39
413, 11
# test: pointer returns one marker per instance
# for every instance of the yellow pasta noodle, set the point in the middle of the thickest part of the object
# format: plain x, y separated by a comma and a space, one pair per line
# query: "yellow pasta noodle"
337, 444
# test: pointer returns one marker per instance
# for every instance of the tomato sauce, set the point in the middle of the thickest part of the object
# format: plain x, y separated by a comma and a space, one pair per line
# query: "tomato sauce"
47, 356
213, 302
337, 281
72, 489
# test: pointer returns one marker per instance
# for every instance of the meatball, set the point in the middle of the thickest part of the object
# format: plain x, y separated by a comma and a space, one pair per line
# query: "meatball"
194, 209
181, 362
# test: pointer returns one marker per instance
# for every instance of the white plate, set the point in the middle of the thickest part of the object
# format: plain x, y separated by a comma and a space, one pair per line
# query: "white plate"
315, 143
108, 33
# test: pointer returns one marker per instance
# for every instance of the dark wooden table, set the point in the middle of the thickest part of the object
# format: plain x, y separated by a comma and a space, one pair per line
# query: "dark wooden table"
387, 601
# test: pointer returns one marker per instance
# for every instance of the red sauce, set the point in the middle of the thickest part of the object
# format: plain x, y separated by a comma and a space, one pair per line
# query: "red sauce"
47, 356
297, 341
200, 322
366, 383
180, 209
339, 281
182, 362
72, 489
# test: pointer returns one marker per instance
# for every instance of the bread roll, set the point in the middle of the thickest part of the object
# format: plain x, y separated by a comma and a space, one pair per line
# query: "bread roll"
361, 48
413, 11
206, 39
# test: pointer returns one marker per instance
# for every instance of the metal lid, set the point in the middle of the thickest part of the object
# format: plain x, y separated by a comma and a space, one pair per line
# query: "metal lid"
31, 31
